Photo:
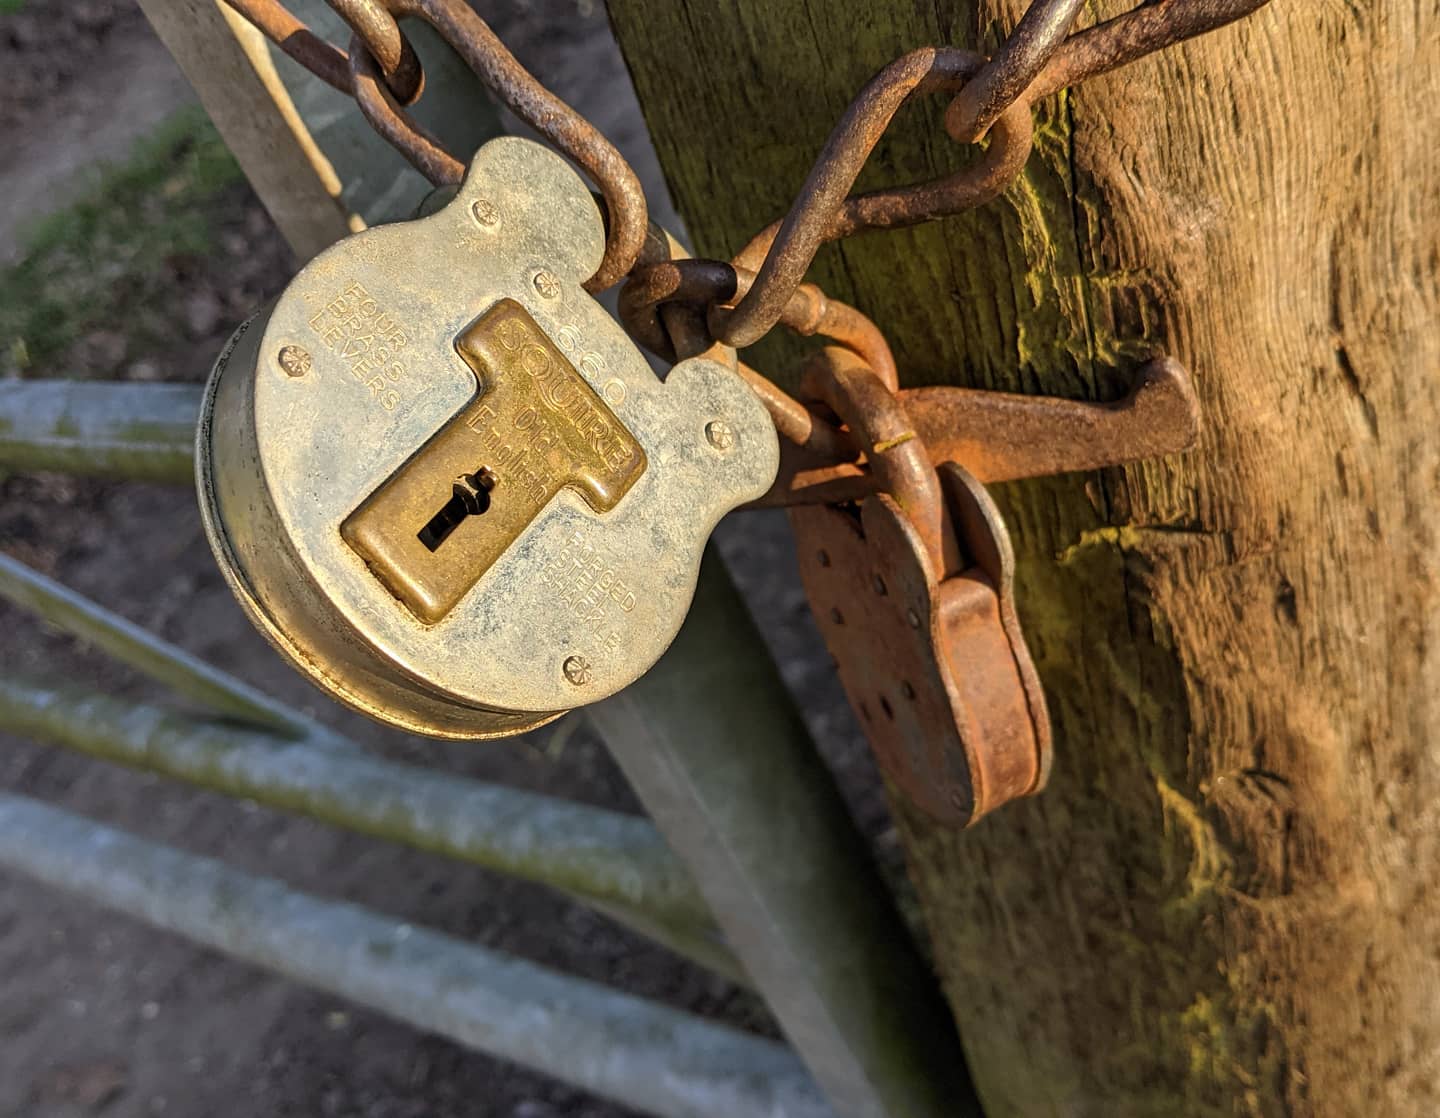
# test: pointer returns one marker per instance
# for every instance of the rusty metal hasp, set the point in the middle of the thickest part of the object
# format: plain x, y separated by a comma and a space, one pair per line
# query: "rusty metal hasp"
912, 584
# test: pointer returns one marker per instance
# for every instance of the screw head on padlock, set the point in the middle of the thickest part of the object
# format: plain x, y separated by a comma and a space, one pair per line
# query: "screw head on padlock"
441, 479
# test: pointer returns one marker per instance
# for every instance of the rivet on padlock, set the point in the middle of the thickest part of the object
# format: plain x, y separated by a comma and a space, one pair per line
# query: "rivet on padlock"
447, 486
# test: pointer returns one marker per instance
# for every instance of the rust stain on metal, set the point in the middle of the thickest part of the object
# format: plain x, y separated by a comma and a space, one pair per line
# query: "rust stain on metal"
1143, 30
291, 35
1012, 68
909, 570
375, 27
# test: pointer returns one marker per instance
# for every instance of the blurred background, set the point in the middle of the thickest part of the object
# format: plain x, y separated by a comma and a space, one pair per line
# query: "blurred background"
130, 247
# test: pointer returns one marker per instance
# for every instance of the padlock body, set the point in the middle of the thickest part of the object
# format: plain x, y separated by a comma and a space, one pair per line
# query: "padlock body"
554, 588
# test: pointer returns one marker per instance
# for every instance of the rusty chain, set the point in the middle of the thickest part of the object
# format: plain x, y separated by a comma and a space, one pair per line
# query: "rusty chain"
993, 97
381, 72
736, 303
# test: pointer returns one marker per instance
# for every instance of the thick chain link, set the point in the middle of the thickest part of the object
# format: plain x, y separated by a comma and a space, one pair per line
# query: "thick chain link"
736, 303
381, 72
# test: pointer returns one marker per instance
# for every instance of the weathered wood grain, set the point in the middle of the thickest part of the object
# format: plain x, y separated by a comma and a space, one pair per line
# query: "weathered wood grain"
1225, 901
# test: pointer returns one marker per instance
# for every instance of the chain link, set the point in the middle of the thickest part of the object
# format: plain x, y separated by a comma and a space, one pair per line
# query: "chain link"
375, 28
736, 303
1009, 72
993, 98
825, 211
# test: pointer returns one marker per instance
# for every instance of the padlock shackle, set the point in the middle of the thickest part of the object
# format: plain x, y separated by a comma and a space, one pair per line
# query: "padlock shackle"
894, 452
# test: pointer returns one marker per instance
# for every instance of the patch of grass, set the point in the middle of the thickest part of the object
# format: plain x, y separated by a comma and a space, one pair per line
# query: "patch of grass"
104, 260
9, 7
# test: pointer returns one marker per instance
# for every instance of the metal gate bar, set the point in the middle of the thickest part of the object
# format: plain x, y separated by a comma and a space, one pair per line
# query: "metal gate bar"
100, 429
646, 1056
127, 642
593, 855
715, 747
615, 863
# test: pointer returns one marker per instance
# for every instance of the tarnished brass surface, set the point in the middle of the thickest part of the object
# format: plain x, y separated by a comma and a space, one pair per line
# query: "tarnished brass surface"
914, 595
535, 426
325, 397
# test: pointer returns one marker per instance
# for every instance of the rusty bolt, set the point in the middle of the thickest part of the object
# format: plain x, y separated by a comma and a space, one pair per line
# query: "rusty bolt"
720, 434
547, 284
295, 360
577, 670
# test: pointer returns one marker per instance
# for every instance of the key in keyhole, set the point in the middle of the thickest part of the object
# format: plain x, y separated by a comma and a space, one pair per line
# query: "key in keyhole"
470, 496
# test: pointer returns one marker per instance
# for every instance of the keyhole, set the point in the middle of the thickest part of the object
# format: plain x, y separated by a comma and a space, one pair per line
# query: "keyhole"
469, 496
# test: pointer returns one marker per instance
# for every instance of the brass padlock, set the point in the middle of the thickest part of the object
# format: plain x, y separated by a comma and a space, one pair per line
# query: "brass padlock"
441, 479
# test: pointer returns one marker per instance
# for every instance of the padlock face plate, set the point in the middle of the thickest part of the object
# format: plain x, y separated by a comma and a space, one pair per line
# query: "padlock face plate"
534, 424
368, 357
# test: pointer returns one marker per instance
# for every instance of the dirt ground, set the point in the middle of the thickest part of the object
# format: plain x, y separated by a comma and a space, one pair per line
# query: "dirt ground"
102, 1016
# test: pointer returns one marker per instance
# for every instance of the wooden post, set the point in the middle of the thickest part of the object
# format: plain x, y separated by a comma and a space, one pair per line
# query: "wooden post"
1224, 902
230, 68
